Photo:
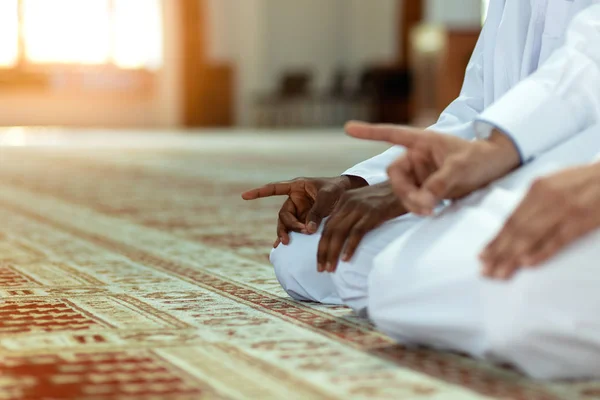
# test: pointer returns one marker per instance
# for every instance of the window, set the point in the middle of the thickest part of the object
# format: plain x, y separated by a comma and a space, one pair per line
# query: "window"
485, 4
124, 33
9, 33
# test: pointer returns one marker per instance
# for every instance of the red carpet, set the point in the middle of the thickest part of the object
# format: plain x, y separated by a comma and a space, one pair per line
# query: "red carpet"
130, 269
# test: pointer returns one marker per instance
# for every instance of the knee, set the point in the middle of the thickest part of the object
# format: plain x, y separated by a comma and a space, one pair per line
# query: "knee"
286, 264
540, 333
382, 298
351, 284
294, 266
516, 339
352, 278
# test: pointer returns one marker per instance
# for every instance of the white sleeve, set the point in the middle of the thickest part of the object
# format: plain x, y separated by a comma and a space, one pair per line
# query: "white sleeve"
559, 100
457, 119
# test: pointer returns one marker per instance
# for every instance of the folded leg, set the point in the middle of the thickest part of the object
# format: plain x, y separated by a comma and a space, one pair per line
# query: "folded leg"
426, 287
296, 269
296, 266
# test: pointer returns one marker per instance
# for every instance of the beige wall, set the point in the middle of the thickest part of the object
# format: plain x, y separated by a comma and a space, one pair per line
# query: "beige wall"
160, 108
454, 13
263, 38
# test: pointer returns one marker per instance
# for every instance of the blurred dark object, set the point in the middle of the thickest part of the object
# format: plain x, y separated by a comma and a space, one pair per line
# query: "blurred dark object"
380, 94
295, 84
388, 91
339, 84
289, 104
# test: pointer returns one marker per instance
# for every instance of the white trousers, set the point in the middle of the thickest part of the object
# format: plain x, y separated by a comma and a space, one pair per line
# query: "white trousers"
426, 287
296, 266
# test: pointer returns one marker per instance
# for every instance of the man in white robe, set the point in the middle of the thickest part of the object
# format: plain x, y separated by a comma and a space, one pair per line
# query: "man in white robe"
295, 251
536, 87
537, 226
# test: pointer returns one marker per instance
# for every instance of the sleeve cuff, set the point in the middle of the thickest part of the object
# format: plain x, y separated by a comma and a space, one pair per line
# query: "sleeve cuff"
484, 130
374, 170
535, 119
372, 178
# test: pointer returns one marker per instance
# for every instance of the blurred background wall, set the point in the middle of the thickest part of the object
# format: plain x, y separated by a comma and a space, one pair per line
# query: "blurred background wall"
167, 64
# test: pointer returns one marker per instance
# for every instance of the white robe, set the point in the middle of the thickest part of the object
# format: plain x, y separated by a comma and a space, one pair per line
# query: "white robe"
427, 288
535, 74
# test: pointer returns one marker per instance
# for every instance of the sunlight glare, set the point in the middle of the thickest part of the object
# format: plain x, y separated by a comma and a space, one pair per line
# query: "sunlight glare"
13, 137
138, 34
9, 33
76, 31
67, 31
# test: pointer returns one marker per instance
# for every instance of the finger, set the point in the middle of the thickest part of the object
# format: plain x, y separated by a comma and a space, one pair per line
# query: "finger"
420, 173
402, 179
277, 243
400, 135
493, 256
357, 234
326, 238
338, 232
514, 247
527, 226
543, 253
269, 190
510, 229
437, 187
499, 254
322, 251
323, 206
414, 203
556, 241
421, 166
282, 233
290, 221
504, 271
535, 212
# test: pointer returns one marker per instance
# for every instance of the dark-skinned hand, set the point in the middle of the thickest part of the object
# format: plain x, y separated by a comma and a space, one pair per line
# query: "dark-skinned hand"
309, 201
357, 213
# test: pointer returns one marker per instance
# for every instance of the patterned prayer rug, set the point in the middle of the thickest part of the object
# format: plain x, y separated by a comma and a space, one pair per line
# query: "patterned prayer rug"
131, 269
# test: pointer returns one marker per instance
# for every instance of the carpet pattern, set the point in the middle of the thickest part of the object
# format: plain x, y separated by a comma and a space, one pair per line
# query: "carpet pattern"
130, 269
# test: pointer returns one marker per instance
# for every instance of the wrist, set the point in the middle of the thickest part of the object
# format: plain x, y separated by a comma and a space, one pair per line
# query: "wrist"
351, 182
504, 150
595, 168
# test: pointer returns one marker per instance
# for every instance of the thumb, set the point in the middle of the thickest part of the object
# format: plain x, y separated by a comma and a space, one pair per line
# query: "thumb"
436, 188
322, 208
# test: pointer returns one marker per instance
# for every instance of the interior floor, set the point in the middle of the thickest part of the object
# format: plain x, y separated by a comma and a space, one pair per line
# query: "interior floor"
130, 268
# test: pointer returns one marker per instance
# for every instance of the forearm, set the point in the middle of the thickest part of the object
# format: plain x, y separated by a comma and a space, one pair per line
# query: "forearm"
508, 154
559, 100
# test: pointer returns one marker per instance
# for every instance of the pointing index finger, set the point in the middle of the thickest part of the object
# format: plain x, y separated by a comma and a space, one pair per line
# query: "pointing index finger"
400, 135
269, 190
